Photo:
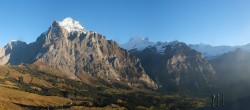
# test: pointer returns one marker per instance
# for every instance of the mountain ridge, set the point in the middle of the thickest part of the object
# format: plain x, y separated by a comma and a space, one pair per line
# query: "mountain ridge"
207, 50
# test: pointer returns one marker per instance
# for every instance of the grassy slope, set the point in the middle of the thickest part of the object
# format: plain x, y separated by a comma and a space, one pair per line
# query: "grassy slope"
30, 99
12, 94
27, 85
9, 106
97, 108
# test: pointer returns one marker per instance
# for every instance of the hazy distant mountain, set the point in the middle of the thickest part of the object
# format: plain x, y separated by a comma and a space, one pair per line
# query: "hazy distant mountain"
67, 47
235, 63
233, 72
177, 67
212, 51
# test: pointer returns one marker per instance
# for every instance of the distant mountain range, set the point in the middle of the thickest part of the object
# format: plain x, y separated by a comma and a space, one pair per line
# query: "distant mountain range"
208, 51
213, 51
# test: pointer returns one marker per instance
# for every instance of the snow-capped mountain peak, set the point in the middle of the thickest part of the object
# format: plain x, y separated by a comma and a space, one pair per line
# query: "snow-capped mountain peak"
71, 25
140, 43
137, 42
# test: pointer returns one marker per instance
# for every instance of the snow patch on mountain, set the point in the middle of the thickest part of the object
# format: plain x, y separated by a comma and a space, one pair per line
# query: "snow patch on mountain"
159, 46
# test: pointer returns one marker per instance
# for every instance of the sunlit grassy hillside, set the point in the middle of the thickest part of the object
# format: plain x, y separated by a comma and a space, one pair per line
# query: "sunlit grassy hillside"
28, 87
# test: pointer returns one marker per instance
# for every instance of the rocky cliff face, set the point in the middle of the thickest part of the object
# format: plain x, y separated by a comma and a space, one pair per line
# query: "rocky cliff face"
178, 67
2, 56
81, 54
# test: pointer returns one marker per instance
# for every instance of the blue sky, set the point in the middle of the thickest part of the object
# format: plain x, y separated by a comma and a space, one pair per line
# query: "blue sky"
215, 22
